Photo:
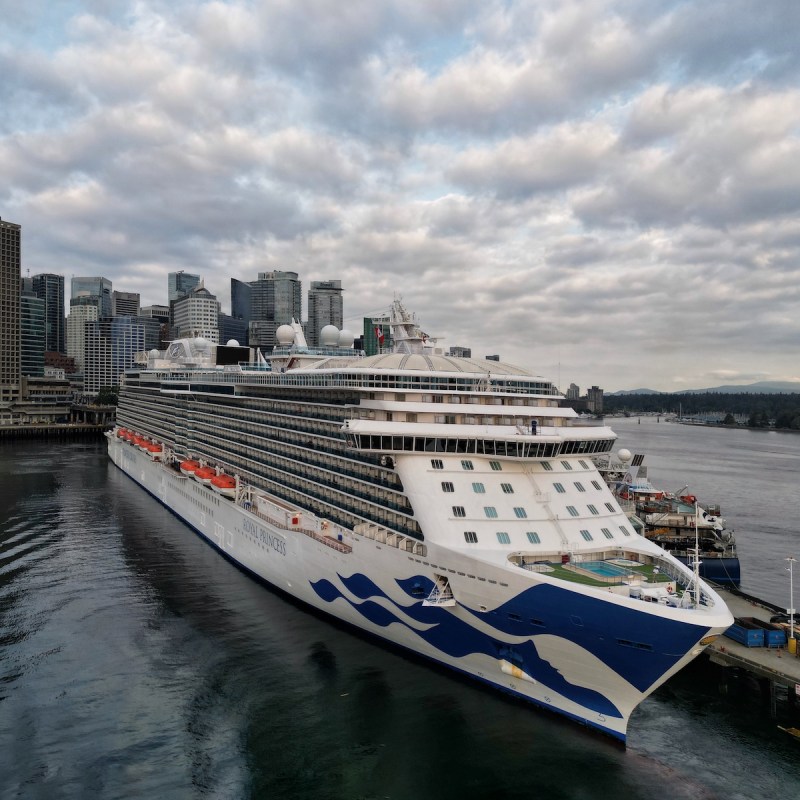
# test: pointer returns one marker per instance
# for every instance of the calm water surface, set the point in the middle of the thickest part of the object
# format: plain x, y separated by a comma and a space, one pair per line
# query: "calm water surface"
135, 662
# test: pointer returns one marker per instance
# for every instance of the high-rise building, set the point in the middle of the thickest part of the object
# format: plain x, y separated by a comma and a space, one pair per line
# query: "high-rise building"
196, 314
232, 328
10, 263
111, 345
124, 304
94, 287
50, 288
82, 310
161, 315
181, 283
275, 299
377, 334
460, 352
324, 308
32, 331
594, 399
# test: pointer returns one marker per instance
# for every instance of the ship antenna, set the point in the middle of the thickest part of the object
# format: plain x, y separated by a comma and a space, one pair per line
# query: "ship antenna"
696, 559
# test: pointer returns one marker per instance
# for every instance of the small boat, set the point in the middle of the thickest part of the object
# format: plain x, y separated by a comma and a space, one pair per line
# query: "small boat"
224, 484
205, 474
154, 449
189, 467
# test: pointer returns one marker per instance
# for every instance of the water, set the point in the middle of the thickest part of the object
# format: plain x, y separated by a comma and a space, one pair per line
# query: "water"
135, 662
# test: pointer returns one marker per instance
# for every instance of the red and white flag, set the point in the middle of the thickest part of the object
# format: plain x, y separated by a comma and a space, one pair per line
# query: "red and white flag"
379, 334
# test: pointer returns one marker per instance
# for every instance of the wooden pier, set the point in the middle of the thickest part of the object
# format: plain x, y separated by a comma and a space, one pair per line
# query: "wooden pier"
54, 430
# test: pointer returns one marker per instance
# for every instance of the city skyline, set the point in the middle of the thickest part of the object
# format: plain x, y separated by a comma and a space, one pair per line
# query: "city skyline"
600, 192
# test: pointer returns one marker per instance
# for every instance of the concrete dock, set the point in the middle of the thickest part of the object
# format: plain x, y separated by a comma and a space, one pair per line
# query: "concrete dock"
773, 664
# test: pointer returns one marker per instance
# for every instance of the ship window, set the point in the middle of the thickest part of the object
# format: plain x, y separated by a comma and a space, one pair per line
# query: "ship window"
586, 535
496, 466
566, 465
470, 537
507, 488
533, 537
478, 488
437, 463
465, 464
597, 486
503, 537
411, 416
579, 486
584, 464
572, 510
559, 487
490, 512
458, 511
607, 533
447, 486
592, 509
520, 512
625, 531
609, 507
547, 466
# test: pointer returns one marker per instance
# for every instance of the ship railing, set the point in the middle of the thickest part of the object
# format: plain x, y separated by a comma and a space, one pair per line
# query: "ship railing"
385, 536
328, 541
682, 579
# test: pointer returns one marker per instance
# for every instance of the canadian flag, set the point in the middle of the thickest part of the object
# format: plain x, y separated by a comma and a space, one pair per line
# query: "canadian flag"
379, 334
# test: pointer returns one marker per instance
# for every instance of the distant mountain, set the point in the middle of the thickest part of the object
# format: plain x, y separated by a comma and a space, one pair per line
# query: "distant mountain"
761, 387
633, 391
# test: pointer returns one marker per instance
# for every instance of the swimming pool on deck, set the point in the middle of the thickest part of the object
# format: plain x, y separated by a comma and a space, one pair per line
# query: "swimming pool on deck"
605, 569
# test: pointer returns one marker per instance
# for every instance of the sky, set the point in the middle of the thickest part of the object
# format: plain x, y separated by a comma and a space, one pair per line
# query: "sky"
604, 192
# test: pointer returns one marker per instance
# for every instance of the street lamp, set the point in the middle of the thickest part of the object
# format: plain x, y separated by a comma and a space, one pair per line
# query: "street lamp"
791, 560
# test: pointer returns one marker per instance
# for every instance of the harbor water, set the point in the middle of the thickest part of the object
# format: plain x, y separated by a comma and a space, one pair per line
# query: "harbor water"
136, 662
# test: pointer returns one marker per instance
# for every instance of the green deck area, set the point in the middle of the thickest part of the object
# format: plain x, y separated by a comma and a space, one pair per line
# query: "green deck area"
645, 571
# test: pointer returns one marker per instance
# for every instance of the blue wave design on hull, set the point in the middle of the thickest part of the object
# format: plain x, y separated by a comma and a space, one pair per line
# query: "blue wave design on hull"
456, 638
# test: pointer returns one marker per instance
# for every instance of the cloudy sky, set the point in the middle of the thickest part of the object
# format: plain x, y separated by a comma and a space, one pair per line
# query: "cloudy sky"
605, 192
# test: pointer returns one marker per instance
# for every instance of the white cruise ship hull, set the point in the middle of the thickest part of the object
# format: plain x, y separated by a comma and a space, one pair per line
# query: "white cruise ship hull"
583, 655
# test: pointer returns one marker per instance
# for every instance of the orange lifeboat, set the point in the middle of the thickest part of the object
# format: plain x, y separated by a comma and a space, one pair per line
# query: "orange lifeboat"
224, 484
205, 474
189, 467
153, 448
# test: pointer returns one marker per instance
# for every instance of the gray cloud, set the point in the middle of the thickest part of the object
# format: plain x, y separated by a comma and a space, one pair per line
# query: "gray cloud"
604, 191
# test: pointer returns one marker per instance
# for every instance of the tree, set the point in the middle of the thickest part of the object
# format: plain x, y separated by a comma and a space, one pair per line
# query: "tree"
108, 396
729, 419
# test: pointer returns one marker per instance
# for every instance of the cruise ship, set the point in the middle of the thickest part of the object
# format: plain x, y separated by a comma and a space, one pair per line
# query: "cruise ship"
448, 506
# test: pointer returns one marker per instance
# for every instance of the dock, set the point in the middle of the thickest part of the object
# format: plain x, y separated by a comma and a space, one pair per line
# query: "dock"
774, 667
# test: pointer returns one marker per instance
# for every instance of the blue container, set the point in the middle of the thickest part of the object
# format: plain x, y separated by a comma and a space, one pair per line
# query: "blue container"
773, 635
746, 632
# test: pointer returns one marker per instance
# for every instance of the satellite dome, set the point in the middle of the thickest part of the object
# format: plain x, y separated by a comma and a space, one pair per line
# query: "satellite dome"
285, 335
232, 343
329, 336
624, 454
154, 353
346, 338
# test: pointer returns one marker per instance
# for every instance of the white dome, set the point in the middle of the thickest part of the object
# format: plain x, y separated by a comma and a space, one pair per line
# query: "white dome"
624, 454
346, 338
285, 335
329, 336
199, 341
154, 353
232, 343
